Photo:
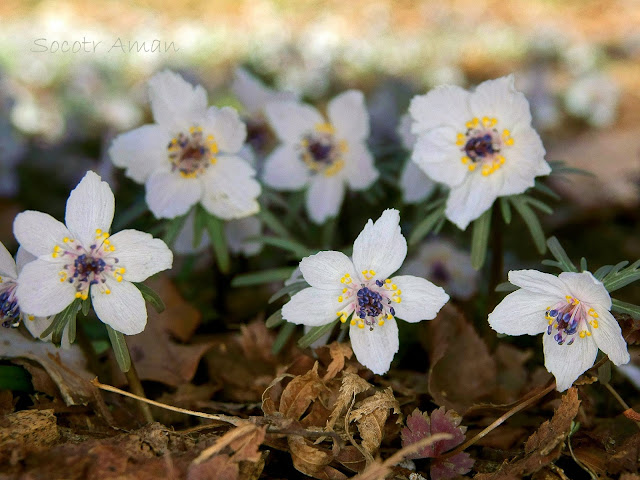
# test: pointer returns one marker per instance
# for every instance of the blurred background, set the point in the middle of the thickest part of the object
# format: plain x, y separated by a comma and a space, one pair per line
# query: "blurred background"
577, 61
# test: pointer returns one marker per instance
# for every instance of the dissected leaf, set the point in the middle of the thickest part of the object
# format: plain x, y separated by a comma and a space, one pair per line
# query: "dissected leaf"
352, 384
339, 353
312, 460
371, 416
299, 393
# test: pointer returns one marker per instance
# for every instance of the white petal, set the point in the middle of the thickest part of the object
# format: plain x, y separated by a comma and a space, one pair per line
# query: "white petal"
237, 233
312, 307
539, 282
586, 288
348, 114
444, 105
284, 170
38, 232
141, 151
524, 161
292, 120
89, 207
229, 132
140, 254
253, 95
439, 157
568, 362
22, 258
359, 166
380, 246
472, 198
169, 195
230, 189
415, 184
176, 103
499, 98
325, 269
324, 198
521, 313
7, 264
123, 309
40, 291
375, 348
421, 299
183, 243
608, 338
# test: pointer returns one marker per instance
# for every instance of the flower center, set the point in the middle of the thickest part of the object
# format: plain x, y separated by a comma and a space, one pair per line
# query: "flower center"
368, 303
570, 318
192, 154
482, 145
439, 273
321, 151
9, 309
259, 135
90, 266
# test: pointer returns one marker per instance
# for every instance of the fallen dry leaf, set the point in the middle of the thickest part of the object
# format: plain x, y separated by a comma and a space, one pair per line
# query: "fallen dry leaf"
352, 384
312, 460
371, 416
339, 352
299, 393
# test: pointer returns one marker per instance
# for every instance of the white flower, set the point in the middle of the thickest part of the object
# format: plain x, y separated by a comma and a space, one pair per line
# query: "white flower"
323, 155
441, 262
81, 259
360, 288
415, 185
573, 310
481, 144
594, 97
11, 314
237, 233
189, 155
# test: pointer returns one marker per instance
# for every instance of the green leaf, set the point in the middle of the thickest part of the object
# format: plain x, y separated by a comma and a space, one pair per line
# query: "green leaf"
553, 263
602, 272
543, 207
557, 251
124, 218
423, 228
120, 349
299, 250
73, 321
274, 224
291, 289
624, 307
583, 265
506, 287
151, 296
531, 219
56, 328
274, 319
439, 225
199, 224
15, 378
86, 306
541, 187
215, 227
619, 277
172, 229
480, 239
505, 208
262, 277
315, 333
283, 337
604, 372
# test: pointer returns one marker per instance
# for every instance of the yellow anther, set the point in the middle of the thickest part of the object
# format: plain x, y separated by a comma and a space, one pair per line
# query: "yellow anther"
107, 242
343, 318
486, 121
122, 270
588, 333
389, 316
361, 325
509, 141
347, 275
506, 133
397, 299
381, 322
398, 292
364, 272
54, 255
465, 160
192, 129
550, 321
78, 295
472, 167
594, 324
107, 291
325, 128
388, 280
342, 280
340, 298
56, 248
486, 172
343, 146
344, 290
569, 298
501, 159
98, 232
112, 248
209, 138
65, 240
31, 317
582, 334
119, 278
371, 272
353, 322
394, 287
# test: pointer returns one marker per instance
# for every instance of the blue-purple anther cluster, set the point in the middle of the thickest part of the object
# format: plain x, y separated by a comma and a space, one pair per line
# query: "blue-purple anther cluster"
370, 303
84, 265
565, 324
480, 147
9, 309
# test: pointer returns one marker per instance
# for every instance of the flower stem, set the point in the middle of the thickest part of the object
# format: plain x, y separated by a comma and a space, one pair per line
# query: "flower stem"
620, 400
497, 257
136, 387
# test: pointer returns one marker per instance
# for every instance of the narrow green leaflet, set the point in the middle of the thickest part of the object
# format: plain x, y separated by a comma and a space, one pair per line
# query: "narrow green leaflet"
150, 296
288, 290
60, 321
215, 228
506, 287
283, 337
541, 187
563, 259
299, 250
480, 239
274, 224
423, 228
262, 277
619, 277
120, 349
505, 208
199, 224
173, 228
315, 333
274, 319
521, 204
72, 328
602, 271
624, 307
583, 265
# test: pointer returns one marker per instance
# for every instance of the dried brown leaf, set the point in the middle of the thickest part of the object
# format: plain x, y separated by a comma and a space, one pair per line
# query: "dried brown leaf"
312, 460
352, 384
371, 416
339, 352
299, 393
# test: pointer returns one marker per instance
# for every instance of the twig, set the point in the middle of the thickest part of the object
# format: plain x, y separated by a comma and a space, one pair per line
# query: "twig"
221, 418
620, 400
